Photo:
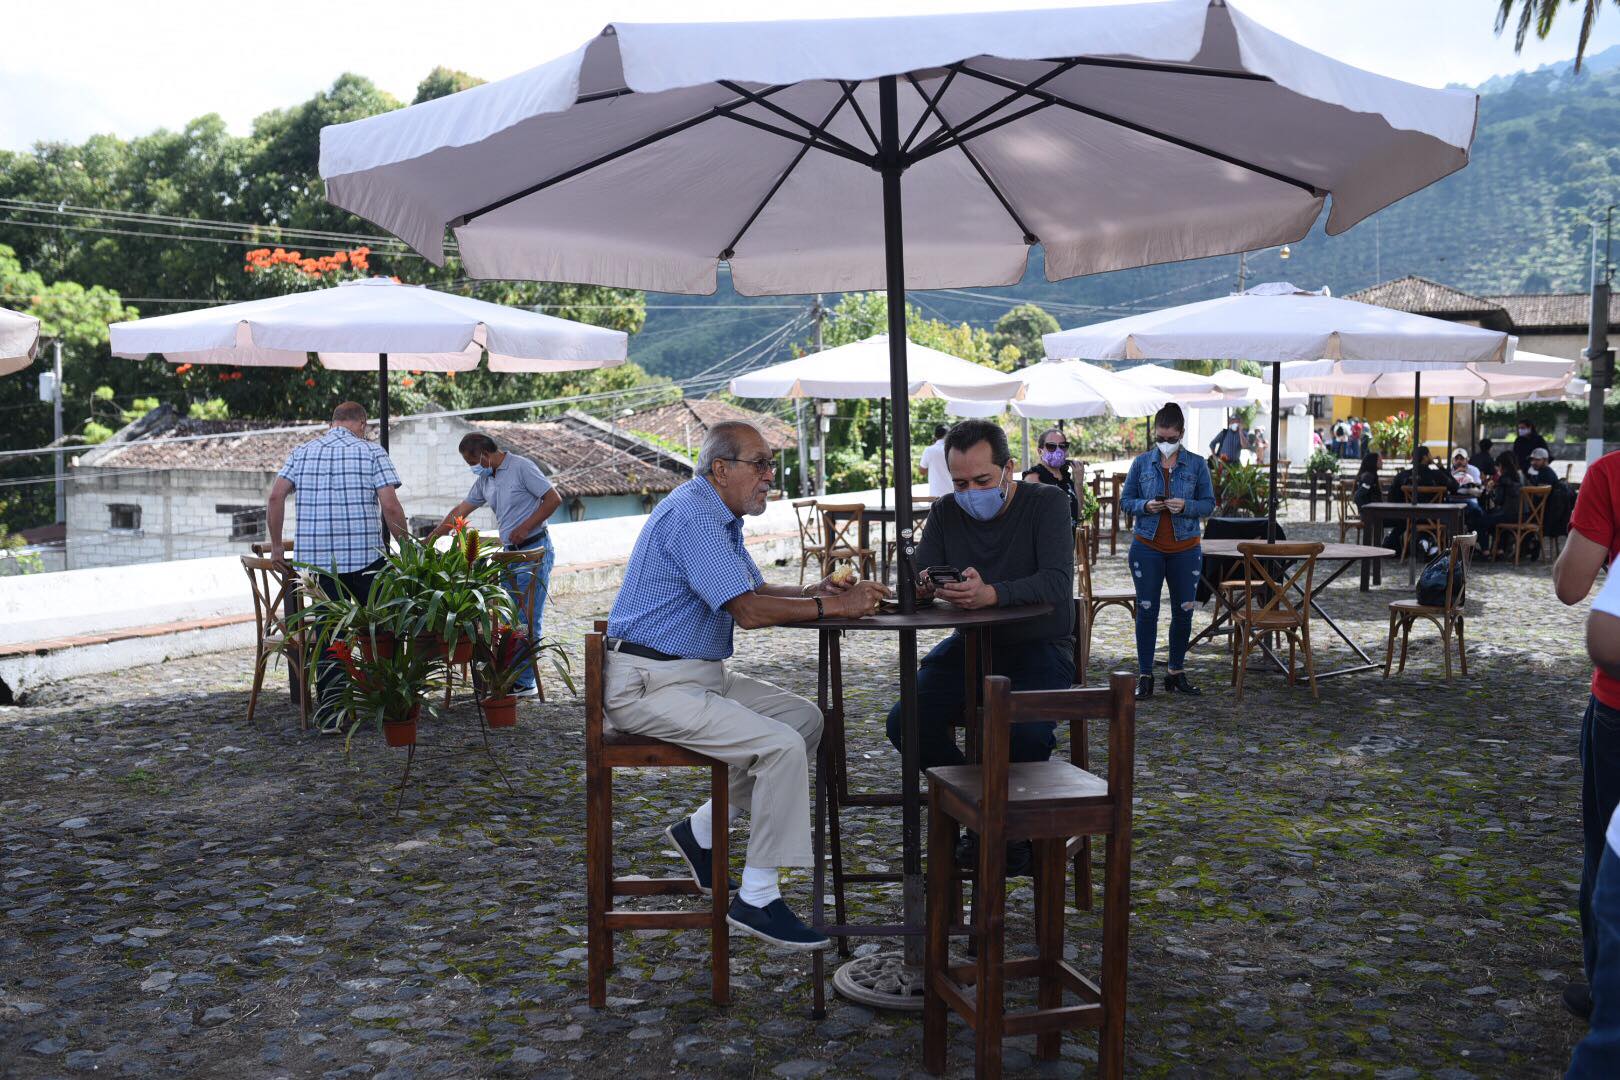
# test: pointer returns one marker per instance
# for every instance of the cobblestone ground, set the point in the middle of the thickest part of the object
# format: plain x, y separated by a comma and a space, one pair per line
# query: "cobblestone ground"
1378, 884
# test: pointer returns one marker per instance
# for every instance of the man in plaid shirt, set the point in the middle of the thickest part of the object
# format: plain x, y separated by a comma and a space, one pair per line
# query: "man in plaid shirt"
346, 488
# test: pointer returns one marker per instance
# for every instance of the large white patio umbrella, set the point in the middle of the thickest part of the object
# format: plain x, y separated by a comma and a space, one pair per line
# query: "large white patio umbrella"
19, 337
860, 369
1277, 322
1520, 378
918, 151
366, 325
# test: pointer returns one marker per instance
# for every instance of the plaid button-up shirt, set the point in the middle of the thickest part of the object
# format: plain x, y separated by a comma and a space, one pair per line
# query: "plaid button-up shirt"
336, 478
688, 563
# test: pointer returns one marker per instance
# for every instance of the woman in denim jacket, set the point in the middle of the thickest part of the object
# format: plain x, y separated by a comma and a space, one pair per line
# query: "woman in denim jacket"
1168, 490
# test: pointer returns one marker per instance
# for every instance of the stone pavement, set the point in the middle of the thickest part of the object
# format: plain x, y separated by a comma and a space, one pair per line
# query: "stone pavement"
1379, 884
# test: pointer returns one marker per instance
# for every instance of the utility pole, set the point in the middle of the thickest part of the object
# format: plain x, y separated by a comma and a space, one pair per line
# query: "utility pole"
818, 313
1243, 270
804, 448
56, 408
1597, 349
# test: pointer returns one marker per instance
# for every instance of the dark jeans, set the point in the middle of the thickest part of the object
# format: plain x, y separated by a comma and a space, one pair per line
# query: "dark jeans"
1598, 1055
1034, 665
329, 674
1151, 570
1600, 794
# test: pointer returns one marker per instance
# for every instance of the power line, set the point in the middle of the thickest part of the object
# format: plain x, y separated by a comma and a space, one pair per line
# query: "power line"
285, 232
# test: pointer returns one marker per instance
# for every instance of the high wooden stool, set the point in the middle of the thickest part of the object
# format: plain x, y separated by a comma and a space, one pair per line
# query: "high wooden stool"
604, 752
1046, 802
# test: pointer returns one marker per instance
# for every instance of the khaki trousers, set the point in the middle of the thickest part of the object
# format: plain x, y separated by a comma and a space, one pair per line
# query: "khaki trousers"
765, 734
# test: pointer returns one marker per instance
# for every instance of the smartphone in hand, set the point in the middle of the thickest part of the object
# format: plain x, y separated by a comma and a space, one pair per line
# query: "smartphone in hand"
942, 575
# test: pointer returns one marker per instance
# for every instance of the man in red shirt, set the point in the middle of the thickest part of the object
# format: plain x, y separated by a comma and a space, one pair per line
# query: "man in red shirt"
1594, 541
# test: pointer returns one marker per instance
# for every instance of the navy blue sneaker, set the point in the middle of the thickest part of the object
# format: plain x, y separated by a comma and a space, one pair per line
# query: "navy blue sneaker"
776, 925
699, 859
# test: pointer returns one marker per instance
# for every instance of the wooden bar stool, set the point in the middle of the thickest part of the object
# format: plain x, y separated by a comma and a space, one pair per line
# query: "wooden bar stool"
604, 752
1046, 802
276, 597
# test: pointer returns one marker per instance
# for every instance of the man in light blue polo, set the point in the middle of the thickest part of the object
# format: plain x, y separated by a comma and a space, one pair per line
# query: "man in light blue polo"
690, 581
522, 499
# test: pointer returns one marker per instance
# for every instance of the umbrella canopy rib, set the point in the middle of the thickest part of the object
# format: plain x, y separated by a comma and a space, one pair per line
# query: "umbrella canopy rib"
731, 248
849, 86
1140, 129
818, 132
614, 155
931, 145
932, 106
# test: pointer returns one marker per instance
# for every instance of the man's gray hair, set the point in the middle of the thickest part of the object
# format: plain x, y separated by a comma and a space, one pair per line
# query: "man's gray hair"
724, 440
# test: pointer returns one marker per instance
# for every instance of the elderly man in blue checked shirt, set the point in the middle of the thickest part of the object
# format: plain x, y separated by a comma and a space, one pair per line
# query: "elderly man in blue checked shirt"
346, 488
689, 582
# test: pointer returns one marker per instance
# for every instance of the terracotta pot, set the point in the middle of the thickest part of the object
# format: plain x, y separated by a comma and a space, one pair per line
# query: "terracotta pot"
434, 644
402, 732
384, 650
500, 711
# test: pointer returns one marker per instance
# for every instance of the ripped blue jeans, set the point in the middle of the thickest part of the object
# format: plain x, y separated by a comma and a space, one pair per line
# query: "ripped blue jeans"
1151, 570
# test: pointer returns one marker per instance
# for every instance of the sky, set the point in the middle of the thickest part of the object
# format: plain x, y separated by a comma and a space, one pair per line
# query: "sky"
102, 66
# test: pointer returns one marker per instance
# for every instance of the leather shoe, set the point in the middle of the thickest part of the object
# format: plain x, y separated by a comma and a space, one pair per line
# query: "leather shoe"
1176, 683
1144, 687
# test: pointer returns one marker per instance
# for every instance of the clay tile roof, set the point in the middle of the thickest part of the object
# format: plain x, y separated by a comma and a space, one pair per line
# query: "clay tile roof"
233, 446
579, 464
1424, 297
692, 417
1553, 311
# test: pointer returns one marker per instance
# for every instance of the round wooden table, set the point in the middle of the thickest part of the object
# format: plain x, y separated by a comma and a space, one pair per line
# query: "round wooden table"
1345, 555
886, 980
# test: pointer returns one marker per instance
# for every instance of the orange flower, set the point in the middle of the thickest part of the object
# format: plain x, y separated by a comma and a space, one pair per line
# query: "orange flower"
461, 524
309, 382
182, 369
407, 382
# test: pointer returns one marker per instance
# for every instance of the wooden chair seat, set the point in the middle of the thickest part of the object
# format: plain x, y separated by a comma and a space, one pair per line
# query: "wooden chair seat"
1049, 783
1415, 608
1278, 604
1263, 619
1449, 618
1114, 596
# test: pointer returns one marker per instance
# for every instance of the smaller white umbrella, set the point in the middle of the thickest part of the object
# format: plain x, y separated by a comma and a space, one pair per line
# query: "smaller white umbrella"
1241, 389
366, 325
1168, 379
1061, 389
860, 370
19, 337
1525, 373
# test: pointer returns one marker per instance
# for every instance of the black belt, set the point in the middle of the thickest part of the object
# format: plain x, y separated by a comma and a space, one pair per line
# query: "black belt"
529, 541
617, 645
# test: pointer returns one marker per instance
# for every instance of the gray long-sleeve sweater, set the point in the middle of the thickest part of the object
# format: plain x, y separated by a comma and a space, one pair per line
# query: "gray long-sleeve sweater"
1027, 554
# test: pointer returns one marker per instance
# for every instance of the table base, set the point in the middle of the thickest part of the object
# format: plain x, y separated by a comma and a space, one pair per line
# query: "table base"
882, 981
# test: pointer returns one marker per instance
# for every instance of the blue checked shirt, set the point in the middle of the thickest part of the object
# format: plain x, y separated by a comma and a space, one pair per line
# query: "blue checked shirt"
336, 478
689, 562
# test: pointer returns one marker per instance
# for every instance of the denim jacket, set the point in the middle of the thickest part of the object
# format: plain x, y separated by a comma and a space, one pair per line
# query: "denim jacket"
1189, 480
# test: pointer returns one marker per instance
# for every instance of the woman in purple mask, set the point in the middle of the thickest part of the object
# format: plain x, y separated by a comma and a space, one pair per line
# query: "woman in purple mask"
1054, 468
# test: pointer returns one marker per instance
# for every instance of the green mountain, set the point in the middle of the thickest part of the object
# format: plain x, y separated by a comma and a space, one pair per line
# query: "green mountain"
1546, 162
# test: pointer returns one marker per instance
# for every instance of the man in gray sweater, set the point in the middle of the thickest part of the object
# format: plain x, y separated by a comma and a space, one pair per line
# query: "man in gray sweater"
1014, 544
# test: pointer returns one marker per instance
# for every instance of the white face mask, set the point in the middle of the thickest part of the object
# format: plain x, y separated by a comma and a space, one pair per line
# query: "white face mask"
1236, 427
1168, 448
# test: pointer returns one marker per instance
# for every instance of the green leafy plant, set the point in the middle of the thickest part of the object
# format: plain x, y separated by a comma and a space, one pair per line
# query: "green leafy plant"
450, 593
1241, 490
1392, 436
1322, 463
380, 690
1089, 507
505, 656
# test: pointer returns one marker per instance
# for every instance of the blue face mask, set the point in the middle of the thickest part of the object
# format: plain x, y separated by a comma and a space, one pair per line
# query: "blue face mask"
981, 504
480, 471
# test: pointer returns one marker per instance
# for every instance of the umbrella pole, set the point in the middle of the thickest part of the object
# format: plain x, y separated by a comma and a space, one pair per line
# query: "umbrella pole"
382, 399
1276, 399
1451, 423
883, 485
1417, 427
891, 166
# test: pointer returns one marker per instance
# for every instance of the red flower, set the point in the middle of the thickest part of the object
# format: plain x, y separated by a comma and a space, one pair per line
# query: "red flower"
461, 524
309, 382
340, 651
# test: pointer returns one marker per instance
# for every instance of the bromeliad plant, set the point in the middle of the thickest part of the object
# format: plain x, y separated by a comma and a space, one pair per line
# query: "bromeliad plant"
1241, 490
385, 692
1322, 464
449, 595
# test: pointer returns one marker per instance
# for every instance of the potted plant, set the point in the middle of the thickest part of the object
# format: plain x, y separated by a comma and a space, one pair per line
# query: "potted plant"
386, 692
323, 619
1241, 490
445, 598
501, 661
1322, 465
1392, 436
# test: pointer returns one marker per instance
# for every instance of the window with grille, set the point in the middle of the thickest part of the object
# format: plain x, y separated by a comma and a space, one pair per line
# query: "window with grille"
126, 517
247, 522
421, 526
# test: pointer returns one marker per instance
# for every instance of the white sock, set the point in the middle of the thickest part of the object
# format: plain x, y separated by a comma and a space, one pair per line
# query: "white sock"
759, 886
702, 821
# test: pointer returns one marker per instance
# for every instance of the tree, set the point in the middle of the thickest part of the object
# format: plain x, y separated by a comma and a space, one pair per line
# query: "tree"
1021, 329
442, 82
1540, 14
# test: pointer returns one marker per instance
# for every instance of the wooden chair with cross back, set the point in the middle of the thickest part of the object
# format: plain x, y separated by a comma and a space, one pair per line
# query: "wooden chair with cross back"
1532, 521
841, 533
1093, 600
1273, 605
1447, 617
275, 597
811, 545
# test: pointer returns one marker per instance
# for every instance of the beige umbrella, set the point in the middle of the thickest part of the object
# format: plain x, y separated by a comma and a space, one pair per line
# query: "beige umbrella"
19, 337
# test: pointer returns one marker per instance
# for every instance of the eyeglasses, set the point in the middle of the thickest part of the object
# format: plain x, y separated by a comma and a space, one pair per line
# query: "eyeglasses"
762, 466
1054, 446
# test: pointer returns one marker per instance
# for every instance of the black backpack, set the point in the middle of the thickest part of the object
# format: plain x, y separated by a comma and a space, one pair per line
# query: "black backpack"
1431, 586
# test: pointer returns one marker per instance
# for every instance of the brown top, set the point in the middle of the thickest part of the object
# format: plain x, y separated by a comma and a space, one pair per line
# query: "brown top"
1164, 536
938, 616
